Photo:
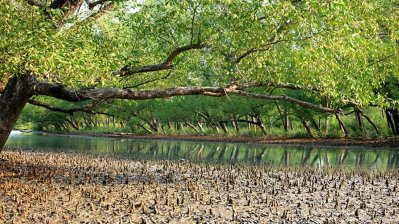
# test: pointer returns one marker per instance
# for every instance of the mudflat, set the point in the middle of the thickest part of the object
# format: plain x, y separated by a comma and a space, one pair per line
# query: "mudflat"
38, 187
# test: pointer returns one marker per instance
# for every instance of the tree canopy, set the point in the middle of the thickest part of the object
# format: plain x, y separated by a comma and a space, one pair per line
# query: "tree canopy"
339, 52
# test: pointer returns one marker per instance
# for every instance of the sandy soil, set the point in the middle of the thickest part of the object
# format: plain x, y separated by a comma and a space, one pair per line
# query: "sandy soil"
392, 142
40, 187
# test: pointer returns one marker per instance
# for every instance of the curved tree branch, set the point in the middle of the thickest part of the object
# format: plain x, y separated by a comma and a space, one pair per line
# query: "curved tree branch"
61, 92
165, 65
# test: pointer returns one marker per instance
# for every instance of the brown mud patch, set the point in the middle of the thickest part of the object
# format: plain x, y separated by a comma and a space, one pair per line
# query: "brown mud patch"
69, 188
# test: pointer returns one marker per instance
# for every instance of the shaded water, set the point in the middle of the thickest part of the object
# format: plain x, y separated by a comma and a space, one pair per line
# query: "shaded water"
211, 152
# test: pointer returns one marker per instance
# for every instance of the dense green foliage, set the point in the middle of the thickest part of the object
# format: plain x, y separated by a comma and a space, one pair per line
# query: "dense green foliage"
339, 54
205, 116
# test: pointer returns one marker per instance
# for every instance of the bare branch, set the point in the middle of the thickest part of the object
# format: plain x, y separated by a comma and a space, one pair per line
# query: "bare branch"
167, 64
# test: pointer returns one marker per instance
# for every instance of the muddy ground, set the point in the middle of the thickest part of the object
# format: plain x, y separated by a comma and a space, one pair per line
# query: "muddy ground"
38, 187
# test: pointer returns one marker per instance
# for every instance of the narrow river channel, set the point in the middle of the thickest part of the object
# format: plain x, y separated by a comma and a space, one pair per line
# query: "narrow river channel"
211, 152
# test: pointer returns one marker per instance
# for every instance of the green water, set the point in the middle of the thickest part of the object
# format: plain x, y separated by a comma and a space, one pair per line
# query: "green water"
211, 152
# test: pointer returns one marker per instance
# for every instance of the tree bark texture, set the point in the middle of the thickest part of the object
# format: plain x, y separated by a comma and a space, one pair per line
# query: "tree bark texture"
12, 100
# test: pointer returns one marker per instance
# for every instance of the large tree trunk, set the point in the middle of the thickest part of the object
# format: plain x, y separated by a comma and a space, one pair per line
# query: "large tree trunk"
13, 99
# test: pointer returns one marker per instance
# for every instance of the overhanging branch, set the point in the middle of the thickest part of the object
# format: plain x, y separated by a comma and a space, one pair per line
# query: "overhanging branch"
61, 92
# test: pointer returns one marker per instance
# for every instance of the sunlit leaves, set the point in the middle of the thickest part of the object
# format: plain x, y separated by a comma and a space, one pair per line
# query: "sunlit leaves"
334, 46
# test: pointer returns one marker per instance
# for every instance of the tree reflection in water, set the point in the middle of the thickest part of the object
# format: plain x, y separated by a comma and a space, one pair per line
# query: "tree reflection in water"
211, 152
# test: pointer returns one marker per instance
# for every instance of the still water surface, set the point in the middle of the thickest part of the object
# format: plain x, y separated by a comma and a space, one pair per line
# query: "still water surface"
211, 152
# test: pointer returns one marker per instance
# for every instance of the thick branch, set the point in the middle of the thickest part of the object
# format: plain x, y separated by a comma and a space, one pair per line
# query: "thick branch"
60, 92
167, 64
288, 99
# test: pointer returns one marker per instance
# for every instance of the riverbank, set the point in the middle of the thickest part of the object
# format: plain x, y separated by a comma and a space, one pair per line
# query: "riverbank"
69, 188
387, 142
